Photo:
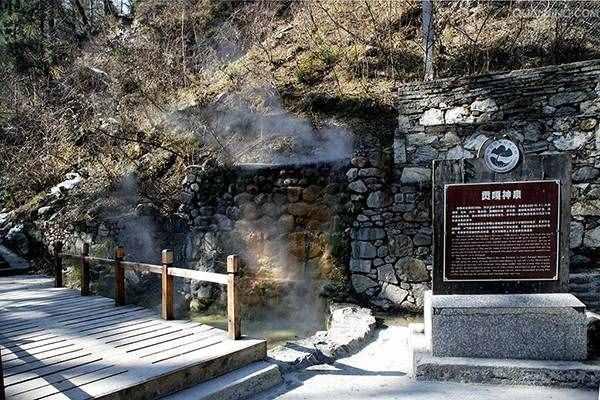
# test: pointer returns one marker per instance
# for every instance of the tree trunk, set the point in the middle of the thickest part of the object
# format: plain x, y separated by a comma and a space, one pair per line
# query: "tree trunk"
81, 11
428, 31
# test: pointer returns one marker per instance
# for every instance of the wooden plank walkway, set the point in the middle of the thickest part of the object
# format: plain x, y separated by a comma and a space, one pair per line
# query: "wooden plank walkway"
58, 345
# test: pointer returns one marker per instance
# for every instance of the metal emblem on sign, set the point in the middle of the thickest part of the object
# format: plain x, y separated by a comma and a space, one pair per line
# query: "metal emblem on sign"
501, 155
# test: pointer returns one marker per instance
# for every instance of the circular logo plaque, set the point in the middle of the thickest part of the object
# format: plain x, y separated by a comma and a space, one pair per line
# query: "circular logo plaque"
501, 155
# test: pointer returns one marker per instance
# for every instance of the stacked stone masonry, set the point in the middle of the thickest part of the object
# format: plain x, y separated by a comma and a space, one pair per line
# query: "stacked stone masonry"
384, 202
287, 216
546, 110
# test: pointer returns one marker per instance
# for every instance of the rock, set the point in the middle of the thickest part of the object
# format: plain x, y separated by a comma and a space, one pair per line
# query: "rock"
393, 293
532, 131
261, 199
368, 234
563, 98
415, 175
536, 147
450, 140
350, 328
360, 162
425, 154
294, 194
433, 116
189, 179
298, 354
418, 291
592, 238
271, 209
458, 115
590, 106
363, 250
249, 211
18, 239
243, 198
399, 150
569, 142
311, 193
43, 211
586, 208
588, 124
412, 269
401, 245
298, 209
370, 172
360, 266
223, 222
196, 305
73, 180
593, 335
475, 142
565, 110
458, 153
376, 200
358, 187
352, 174
419, 139
387, 273
485, 105
286, 223
585, 174
422, 239
5, 217
562, 124
575, 234
362, 283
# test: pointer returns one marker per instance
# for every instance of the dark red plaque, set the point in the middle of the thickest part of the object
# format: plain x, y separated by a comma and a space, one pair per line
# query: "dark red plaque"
501, 231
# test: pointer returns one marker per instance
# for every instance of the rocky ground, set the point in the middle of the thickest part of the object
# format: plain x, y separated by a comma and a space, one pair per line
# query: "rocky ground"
379, 372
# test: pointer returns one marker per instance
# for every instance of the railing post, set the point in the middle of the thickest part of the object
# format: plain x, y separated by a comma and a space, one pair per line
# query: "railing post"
58, 278
119, 277
233, 304
2, 395
166, 304
85, 270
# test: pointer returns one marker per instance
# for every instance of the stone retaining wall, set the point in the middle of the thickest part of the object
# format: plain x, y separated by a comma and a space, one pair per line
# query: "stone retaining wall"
551, 109
286, 221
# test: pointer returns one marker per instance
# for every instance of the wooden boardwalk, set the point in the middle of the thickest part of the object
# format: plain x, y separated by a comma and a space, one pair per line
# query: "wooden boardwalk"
57, 344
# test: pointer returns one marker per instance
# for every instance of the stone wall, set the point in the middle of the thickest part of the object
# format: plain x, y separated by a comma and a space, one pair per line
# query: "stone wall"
286, 221
552, 109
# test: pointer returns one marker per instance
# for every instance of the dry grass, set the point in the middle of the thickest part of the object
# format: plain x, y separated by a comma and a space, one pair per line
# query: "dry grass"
158, 86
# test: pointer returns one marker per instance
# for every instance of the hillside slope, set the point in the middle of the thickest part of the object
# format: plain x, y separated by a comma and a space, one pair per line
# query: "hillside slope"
208, 81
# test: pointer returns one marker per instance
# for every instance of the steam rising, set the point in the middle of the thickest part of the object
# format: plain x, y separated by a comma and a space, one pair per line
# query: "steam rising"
263, 131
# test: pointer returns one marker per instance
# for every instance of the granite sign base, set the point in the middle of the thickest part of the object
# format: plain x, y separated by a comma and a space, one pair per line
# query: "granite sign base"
509, 326
427, 366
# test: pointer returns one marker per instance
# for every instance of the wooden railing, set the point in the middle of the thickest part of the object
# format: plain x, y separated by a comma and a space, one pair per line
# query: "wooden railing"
2, 395
167, 273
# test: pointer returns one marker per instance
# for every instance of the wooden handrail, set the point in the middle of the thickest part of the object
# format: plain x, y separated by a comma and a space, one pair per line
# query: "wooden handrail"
199, 275
167, 272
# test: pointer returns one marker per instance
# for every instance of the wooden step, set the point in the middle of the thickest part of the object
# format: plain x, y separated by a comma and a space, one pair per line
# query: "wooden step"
58, 345
236, 385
